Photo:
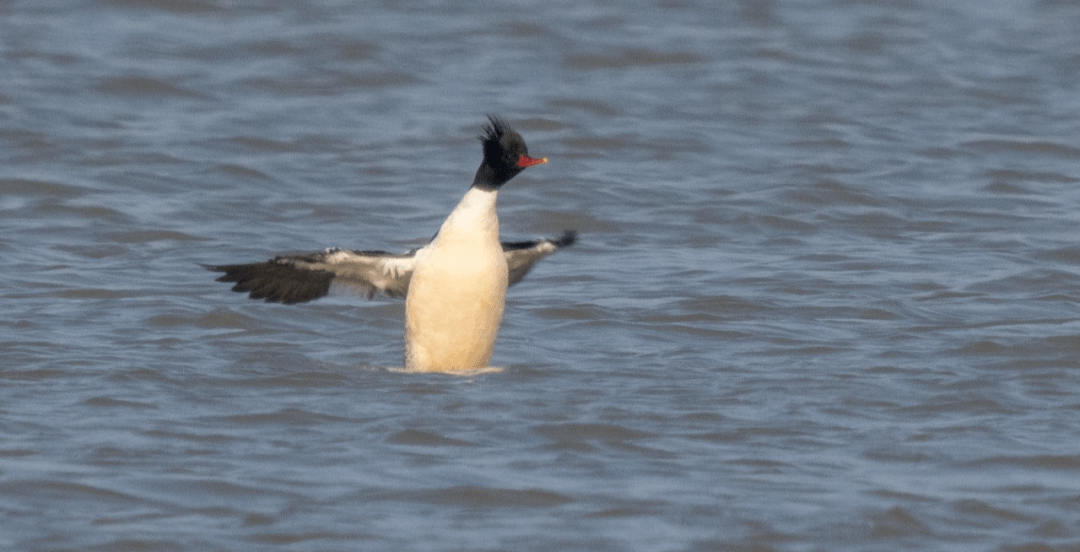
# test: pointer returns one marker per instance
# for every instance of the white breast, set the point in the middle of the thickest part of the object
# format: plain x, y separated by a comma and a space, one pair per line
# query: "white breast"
458, 289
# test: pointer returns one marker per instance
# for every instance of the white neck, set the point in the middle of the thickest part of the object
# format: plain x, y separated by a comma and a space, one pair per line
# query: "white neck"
475, 217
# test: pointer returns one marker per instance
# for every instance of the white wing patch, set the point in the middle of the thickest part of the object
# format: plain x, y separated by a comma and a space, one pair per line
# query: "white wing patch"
371, 272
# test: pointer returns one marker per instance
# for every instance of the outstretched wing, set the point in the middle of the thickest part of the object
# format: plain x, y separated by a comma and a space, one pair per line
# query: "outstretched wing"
521, 256
300, 278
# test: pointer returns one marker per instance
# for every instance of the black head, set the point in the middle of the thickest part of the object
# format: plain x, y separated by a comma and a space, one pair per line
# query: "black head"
505, 155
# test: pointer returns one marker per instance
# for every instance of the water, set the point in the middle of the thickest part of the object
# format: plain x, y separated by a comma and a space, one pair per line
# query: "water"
826, 295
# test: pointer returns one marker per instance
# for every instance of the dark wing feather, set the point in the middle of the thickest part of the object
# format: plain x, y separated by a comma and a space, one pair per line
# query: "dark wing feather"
299, 278
522, 256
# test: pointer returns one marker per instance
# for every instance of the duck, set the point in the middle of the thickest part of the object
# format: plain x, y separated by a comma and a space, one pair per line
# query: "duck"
454, 286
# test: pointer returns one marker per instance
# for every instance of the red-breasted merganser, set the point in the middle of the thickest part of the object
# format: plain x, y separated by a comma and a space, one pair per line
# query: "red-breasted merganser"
454, 287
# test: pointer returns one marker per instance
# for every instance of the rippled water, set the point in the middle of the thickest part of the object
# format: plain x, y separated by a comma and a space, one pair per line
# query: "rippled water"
826, 295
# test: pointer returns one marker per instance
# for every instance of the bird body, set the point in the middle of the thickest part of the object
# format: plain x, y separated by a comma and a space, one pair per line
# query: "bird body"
458, 290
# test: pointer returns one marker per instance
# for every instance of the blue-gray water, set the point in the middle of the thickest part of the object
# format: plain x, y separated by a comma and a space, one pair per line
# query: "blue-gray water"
826, 295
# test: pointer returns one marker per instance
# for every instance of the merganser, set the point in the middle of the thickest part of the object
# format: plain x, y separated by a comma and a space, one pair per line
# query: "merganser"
454, 287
